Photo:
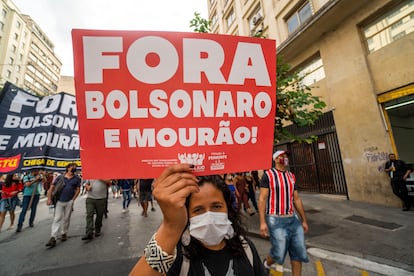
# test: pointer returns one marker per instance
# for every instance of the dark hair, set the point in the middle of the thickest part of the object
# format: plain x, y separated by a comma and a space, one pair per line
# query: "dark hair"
9, 180
195, 249
68, 166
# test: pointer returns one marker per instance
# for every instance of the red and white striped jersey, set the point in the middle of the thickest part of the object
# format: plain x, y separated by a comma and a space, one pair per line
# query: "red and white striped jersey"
281, 185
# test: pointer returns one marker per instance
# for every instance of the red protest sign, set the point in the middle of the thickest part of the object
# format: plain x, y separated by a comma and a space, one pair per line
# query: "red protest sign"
150, 99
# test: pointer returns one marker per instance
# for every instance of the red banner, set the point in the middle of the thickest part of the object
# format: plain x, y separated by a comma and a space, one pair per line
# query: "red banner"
150, 99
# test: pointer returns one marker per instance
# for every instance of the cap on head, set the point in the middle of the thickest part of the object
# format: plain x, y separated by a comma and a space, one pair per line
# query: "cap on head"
277, 153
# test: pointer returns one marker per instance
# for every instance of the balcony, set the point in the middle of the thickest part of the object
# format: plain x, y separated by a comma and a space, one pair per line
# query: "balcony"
325, 20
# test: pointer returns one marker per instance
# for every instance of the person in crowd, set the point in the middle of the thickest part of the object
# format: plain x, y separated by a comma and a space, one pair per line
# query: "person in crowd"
399, 171
228, 179
106, 201
279, 207
114, 188
2, 203
47, 180
9, 199
83, 187
31, 193
255, 175
135, 189
243, 193
201, 234
125, 186
251, 186
144, 187
64, 204
95, 204
152, 204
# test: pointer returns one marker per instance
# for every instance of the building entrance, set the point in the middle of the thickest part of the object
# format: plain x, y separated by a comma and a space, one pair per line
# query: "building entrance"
317, 166
400, 113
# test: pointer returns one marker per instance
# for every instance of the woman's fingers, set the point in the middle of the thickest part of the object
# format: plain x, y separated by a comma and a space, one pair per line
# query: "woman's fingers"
175, 184
177, 168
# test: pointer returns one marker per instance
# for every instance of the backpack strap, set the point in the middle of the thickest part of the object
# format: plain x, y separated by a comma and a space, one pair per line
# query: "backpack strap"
185, 266
247, 249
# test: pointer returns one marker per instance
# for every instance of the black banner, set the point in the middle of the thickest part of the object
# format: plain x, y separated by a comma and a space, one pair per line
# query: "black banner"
37, 132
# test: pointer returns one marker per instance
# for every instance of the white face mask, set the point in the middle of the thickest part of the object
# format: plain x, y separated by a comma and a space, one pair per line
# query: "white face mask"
211, 227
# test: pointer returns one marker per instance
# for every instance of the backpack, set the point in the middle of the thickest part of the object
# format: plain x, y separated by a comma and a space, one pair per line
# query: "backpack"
57, 190
185, 266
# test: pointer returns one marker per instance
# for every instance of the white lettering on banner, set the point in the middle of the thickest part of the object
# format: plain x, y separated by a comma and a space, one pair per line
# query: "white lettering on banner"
62, 122
61, 102
179, 103
138, 67
200, 56
194, 64
51, 139
112, 138
95, 61
4, 141
187, 137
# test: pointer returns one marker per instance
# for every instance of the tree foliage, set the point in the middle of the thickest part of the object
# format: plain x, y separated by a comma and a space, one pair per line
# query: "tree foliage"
295, 104
200, 24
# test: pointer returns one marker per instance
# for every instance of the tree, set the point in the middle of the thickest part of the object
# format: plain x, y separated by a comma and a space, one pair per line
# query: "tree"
295, 104
200, 24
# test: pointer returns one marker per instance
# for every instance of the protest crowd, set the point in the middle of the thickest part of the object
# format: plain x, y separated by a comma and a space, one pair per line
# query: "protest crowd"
15, 194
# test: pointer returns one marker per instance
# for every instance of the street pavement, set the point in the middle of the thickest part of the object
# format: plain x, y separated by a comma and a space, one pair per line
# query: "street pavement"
371, 237
343, 234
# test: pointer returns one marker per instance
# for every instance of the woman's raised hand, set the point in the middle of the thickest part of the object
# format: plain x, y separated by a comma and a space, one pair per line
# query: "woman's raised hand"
171, 189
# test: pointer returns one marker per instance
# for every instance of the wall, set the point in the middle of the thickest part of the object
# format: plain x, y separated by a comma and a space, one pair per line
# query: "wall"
392, 66
350, 91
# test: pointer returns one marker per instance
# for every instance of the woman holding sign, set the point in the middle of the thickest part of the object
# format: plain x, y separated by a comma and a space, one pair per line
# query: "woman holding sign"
201, 234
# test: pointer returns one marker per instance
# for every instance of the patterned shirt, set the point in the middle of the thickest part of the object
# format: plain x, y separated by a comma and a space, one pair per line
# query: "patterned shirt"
281, 186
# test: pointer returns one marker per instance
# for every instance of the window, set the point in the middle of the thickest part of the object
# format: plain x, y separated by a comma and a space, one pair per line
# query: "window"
312, 72
1, 26
14, 48
16, 36
299, 17
29, 78
214, 19
393, 25
4, 13
323, 2
19, 24
255, 18
230, 18
11, 61
8, 74
31, 68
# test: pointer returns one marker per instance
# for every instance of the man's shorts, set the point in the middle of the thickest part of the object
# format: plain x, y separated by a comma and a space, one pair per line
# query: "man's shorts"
2, 205
286, 235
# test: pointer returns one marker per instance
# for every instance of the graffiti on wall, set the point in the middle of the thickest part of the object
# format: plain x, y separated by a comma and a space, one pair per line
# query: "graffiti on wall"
374, 155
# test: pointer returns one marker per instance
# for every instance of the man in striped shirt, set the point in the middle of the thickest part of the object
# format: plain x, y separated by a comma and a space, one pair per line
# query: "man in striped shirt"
279, 208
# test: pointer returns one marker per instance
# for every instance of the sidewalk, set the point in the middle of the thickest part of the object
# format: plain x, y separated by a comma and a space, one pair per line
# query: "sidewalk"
374, 233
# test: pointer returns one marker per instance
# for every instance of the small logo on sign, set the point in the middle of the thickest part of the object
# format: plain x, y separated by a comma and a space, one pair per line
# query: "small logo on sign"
191, 158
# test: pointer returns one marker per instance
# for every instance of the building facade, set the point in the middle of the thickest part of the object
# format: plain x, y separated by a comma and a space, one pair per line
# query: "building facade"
357, 56
27, 57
